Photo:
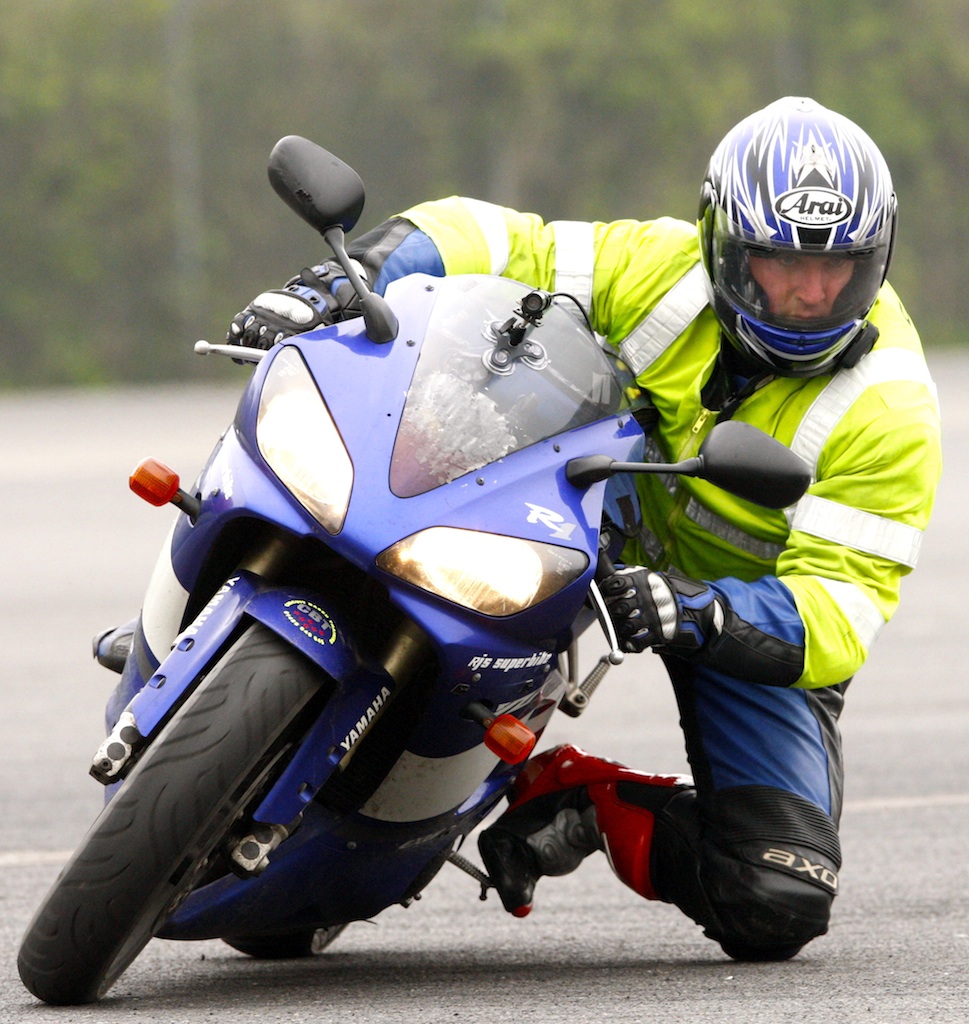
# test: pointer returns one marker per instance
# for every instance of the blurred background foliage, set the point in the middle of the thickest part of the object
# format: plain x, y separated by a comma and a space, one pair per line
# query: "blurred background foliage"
133, 140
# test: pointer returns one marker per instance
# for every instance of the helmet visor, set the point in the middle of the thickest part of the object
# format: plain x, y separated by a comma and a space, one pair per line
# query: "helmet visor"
807, 290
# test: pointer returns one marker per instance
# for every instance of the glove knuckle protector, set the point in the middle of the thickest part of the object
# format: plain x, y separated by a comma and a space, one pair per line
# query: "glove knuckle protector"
316, 297
663, 610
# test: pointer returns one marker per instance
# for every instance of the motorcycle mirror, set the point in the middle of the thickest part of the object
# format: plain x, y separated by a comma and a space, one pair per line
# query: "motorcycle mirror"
312, 182
328, 194
753, 465
735, 456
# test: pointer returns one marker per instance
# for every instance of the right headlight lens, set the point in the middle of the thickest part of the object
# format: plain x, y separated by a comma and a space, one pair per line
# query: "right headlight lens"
487, 572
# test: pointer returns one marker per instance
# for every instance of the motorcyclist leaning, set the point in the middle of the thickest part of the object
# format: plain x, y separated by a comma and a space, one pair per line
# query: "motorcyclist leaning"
773, 310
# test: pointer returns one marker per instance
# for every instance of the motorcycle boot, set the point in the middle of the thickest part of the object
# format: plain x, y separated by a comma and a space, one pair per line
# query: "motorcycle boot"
567, 804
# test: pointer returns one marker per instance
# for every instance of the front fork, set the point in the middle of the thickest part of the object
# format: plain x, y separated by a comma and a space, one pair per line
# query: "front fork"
301, 619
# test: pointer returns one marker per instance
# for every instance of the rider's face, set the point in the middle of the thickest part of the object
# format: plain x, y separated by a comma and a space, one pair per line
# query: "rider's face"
801, 287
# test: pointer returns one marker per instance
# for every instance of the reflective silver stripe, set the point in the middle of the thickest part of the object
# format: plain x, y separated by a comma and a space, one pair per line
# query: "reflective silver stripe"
574, 259
853, 528
704, 518
725, 530
839, 523
491, 220
651, 544
653, 547
671, 316
651, 450
845, 387
860, 611
652, 453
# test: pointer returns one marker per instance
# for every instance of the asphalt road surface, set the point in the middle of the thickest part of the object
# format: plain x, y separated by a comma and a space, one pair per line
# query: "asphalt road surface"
75, 552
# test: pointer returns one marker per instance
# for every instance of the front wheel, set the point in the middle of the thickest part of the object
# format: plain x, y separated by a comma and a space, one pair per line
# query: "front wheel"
156, 838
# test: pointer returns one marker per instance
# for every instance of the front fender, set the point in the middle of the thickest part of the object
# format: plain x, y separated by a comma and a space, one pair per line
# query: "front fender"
300, 618
296, 615
358, 691
360, 694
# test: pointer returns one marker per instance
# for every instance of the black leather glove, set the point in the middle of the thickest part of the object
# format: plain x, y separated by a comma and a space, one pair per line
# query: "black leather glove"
271, 317
316, 298
661, 609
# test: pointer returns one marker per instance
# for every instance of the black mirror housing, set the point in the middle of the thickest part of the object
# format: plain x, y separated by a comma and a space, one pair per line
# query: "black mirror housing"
753, 465
312, 182
735, 456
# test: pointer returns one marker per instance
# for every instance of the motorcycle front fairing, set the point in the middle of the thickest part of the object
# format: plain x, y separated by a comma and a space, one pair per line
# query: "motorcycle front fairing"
499, 443
365, 387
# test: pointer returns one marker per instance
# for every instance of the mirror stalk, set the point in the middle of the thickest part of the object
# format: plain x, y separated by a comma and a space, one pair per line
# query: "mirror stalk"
329, 195
737, 457
590, 469
379, 318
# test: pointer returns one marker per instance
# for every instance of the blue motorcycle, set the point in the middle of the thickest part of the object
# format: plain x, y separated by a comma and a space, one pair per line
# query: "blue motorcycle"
371, 592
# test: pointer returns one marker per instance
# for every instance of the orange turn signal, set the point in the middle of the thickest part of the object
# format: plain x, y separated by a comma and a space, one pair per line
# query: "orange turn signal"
510, 739
154, 481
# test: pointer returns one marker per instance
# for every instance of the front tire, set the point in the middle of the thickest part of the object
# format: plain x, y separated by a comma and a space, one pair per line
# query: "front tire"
153, 841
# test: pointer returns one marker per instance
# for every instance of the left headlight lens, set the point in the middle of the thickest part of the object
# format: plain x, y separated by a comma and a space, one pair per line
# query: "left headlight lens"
298, 438
492, 574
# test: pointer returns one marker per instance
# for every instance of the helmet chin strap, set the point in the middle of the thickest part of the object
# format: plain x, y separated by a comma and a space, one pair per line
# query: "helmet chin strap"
860, 345
737, 375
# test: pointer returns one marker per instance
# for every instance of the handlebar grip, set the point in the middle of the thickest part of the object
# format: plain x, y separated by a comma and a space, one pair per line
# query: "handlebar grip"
604, 566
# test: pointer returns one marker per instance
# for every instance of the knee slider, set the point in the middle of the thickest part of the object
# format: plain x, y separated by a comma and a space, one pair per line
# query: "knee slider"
772, 875
763, 908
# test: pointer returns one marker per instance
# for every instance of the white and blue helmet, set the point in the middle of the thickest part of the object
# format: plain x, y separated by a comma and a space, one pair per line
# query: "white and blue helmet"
795, 177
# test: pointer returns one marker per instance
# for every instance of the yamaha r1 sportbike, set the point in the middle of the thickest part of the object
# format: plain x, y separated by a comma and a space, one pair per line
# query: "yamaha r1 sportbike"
373, 589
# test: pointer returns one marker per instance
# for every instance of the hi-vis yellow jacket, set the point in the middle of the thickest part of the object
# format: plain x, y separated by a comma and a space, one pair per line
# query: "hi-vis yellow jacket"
871, 434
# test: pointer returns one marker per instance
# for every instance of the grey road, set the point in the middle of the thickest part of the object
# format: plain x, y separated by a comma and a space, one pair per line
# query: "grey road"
75, 552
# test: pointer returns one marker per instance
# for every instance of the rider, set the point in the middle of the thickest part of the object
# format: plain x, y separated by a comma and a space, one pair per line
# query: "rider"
774, 311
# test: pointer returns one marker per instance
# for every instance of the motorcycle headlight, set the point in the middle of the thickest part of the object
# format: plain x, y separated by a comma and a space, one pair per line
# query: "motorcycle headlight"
298, 438
491, 574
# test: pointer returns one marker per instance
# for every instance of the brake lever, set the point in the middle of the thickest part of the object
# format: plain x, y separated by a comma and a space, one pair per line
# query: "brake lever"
578, 695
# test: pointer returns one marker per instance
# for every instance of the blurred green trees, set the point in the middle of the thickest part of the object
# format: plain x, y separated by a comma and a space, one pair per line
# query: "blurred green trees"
133, 139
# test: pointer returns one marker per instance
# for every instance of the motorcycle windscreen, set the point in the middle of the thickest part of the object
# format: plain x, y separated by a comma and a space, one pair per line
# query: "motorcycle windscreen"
475, 397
